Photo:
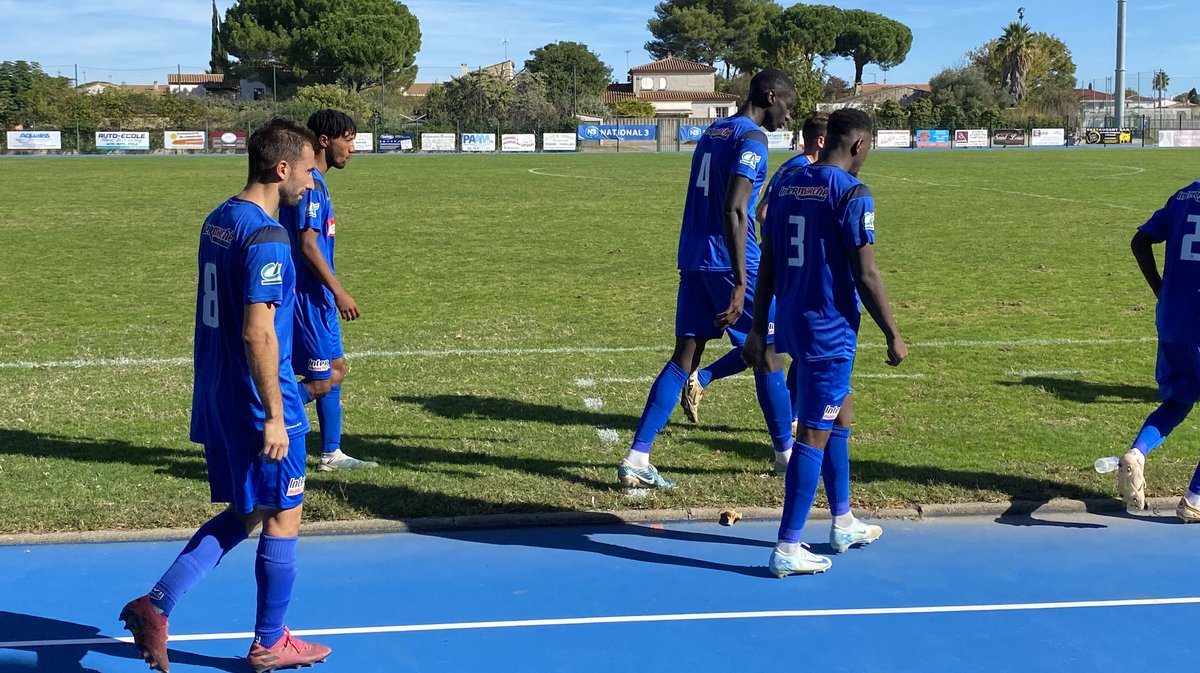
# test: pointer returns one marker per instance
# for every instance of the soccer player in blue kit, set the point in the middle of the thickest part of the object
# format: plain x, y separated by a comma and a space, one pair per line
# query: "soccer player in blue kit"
718, 258
320, 297
818, 259
813, 133
1177, 224
246, 407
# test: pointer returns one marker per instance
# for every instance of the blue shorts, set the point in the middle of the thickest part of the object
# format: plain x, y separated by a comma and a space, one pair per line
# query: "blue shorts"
317, 339
821, 387
238, 476
705, 294
1178, 372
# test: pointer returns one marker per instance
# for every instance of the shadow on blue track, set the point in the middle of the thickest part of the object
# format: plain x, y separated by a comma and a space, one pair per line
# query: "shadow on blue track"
69, 658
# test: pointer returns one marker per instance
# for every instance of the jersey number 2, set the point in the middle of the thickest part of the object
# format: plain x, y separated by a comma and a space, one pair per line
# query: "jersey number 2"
208, 304
797, 241
702, 175
1188, 253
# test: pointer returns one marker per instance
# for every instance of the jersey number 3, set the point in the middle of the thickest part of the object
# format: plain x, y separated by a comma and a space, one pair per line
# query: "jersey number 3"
208, 303
797, 241
1188, 252
702, 174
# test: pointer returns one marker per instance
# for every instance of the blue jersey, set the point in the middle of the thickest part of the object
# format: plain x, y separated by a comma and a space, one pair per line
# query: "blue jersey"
315, 211
244, 259
790, 166
730, 146
1178, 225
819, 217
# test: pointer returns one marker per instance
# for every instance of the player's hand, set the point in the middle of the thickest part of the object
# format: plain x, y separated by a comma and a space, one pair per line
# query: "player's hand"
897, 351
275, 441
347, 308
755, 348
737, 301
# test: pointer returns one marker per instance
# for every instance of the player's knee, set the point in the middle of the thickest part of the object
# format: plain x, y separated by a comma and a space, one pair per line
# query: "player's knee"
337, 371
317, 389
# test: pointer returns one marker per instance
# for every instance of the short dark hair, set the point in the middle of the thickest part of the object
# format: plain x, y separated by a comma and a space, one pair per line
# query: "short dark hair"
279, 140
332, 124
766, 80
847, 125
815, 125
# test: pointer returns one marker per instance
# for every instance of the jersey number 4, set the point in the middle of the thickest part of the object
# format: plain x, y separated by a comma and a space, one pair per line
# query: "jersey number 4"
208, 303
1188, 252
702, 174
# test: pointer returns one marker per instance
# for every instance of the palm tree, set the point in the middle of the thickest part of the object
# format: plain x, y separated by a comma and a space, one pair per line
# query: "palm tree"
1015, 48
1160, 84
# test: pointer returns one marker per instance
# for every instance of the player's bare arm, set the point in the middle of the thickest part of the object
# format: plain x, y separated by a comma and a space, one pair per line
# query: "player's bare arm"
316, 262
262, 354
736, 220
1143, 251
754, 351
875, 300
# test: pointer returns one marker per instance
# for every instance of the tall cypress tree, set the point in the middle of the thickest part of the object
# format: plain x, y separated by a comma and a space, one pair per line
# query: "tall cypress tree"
219, 60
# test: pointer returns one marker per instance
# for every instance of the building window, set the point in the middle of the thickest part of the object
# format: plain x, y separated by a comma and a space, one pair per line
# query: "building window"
721, 112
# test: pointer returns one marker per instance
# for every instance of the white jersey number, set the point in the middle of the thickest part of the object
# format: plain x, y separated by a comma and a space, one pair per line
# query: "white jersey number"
702, 175
1189, 253
208, 304
797, 241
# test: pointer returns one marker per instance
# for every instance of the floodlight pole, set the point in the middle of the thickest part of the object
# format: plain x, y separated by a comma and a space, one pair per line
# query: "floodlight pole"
1119, 88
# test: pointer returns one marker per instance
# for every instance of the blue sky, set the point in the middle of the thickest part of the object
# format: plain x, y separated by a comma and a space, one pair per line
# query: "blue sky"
141, 40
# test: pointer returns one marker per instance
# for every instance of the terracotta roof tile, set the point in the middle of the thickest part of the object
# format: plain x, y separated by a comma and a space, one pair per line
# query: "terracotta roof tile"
672, 64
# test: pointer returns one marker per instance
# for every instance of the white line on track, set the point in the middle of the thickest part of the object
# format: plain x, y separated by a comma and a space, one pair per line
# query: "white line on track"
644, 619
564, 350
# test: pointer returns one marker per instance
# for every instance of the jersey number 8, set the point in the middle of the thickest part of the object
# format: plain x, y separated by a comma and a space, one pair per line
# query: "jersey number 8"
208, 305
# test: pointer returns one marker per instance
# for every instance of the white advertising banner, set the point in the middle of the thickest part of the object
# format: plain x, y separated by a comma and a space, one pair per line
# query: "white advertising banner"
886, 138
518, 142
1048, 138
35, 140
1181, 138
184, 140
971, 138
122, 140
364, 142
559, 142
479, 142
779, 140
437, 142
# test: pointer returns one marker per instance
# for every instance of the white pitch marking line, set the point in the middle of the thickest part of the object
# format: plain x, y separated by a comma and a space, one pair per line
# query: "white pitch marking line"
642, 619
1043, 372
593, 403
608, 435
1006, 191
566, 350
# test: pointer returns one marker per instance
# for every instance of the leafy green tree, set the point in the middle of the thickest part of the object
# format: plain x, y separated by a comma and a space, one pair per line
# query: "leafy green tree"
633, 107
531, 101
810, 29
808, 77
709, 31
218, 61
571, 71
890, 115
315, 97
963, 93
1193, 97
477, 102
1049, 80
351, 42
868, 37
835, 87
1015, 49
923, 114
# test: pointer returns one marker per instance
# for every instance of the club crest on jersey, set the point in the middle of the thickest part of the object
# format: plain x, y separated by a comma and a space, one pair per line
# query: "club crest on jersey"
313, 209
318, 365
331, 227
271, 273
750, 159
295, 486
869, 220
831, 412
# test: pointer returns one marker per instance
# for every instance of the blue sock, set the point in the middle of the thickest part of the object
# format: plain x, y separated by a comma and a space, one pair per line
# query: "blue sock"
835, 471
727, 365
663, 398
800, 489
203, 552
1159, 424
329, 415
776, 407
793, 390
275, 570
305, 397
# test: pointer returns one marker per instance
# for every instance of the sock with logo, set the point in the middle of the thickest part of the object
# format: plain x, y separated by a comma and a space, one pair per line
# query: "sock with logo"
275, 570
329, 416
800, 489
776, 407
835, 471
202, 553
663, 398
1159, 424
727, 365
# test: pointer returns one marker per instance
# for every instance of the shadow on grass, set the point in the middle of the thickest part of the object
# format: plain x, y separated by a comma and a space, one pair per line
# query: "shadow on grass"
68, 658
1086, 392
